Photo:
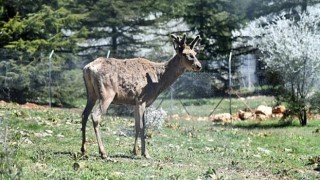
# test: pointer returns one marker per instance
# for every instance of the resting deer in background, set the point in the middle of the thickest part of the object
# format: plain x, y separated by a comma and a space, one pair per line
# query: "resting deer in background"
136, 82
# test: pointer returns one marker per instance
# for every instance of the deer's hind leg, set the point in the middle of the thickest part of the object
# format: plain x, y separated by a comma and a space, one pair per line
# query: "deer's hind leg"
91, 100
107, 97
90, 104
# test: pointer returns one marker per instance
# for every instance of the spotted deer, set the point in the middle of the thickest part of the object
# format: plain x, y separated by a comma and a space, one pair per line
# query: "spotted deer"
136, 82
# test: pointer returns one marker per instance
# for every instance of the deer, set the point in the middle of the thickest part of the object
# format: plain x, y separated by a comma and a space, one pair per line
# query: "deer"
136, 82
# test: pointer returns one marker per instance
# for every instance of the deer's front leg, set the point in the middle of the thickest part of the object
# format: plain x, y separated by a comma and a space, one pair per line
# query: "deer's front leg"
137, 131
140, 130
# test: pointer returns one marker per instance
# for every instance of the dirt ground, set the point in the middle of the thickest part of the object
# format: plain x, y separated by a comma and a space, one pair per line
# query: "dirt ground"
27, 105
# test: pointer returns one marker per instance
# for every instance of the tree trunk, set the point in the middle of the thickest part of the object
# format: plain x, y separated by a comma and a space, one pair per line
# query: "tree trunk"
114, 43
304, 5
303, 117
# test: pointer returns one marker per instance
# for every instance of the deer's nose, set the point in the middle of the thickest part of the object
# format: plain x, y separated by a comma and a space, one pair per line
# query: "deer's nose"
197, 66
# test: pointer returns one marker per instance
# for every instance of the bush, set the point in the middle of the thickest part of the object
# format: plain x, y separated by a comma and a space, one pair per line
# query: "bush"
154, 118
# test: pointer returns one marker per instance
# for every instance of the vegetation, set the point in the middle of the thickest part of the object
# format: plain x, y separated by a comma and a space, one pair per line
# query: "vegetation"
79, 31
288, 49
46, 144
30, 30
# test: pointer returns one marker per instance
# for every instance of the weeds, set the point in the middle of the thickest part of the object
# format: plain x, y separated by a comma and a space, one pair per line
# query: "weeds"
10, 167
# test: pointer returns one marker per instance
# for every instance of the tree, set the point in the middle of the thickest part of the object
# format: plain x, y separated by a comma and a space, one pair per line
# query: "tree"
258, 8
117, 25
27, 37
290, 47
214, 21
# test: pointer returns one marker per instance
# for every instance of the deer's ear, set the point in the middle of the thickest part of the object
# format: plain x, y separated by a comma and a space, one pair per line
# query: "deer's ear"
176, 41
195, 42
174, 37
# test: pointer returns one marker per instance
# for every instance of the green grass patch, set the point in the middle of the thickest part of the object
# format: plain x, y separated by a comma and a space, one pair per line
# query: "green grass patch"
45, 144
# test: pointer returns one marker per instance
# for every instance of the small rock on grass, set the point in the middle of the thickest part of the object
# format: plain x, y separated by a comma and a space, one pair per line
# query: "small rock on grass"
60, 136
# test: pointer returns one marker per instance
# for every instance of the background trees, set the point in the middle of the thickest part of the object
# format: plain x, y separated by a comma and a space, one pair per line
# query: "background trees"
81, 30
117, 26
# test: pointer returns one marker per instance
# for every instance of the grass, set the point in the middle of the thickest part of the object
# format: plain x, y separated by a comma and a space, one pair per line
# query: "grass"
45, 144
203, 107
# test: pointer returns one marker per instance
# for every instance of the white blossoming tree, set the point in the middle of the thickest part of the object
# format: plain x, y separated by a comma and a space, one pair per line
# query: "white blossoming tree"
290, 47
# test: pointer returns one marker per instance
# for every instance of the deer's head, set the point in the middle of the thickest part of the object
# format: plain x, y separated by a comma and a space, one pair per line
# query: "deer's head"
186, 52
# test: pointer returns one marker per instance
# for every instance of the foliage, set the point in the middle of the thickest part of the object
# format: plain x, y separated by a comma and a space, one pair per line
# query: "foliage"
289, 47
154, 118
81, 30
315, 102
9, 167
68, 87
118, 26
27, 38
259, 8
214, 21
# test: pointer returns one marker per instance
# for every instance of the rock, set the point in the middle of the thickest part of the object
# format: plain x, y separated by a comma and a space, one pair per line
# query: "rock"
27, 141
265, 110
288, 150
202, 118
43, 134
279, 109
78, 166
243, 115
49, 131
264, 150
40, 166
280, 115
223, 117
60, 136
174, 116
261, 117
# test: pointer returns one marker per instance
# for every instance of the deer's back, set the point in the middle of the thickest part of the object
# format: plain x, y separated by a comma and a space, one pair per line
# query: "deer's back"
128, 78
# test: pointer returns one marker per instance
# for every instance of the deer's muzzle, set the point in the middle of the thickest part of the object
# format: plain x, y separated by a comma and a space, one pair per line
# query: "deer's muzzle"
196, 66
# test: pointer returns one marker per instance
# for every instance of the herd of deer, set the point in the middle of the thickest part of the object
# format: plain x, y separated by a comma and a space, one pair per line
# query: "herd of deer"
136, 82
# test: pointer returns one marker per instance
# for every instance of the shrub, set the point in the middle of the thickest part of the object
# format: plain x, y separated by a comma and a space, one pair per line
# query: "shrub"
154, 118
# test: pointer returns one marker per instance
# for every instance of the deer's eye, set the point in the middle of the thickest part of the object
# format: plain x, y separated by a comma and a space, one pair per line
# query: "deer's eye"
190, 57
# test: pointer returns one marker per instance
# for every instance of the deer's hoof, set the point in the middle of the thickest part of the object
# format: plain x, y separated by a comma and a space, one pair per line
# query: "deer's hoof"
134, 152
83, 150
147, 156
104, 156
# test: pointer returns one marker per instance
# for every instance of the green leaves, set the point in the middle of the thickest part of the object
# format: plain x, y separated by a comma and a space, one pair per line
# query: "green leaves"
41, 31
26, 39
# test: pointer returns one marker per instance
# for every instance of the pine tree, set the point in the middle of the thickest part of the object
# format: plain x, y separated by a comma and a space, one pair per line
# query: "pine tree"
117, 25
28, 34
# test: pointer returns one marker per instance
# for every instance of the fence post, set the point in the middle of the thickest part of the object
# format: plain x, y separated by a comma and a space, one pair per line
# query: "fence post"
171, 98
229, 67
49, 86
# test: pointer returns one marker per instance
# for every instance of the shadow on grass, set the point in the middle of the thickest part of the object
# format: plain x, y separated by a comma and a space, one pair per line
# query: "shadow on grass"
124, 156
264, 124
78, 156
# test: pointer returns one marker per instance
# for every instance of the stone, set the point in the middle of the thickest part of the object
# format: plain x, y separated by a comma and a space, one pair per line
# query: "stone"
265, 110
244, 115
279, 109
222, 117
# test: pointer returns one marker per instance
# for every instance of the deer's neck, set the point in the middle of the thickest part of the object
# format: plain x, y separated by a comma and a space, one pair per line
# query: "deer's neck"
173, 69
